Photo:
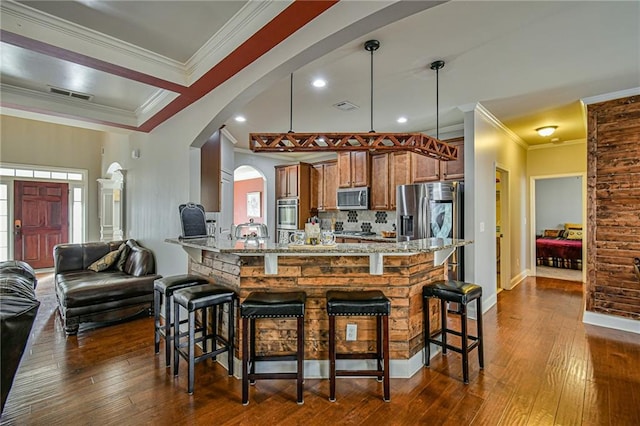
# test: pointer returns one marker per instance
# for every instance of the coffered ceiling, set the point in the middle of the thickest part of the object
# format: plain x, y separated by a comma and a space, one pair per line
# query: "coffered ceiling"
140, 62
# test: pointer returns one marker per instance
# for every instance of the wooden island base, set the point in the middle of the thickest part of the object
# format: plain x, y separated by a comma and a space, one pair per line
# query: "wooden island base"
402, 281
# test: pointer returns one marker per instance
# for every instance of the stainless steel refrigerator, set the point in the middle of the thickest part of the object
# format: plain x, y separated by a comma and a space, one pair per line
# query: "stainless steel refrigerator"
433, 210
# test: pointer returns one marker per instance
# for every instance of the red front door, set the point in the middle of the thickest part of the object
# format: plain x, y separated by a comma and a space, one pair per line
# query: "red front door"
40, 221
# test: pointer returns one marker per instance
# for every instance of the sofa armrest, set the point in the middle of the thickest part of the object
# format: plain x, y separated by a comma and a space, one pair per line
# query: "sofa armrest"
140, 261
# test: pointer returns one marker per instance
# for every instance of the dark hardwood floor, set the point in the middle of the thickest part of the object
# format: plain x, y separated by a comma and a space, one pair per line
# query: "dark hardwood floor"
542, 366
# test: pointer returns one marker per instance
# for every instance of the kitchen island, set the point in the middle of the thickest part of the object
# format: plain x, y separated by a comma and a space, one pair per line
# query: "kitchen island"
399, 270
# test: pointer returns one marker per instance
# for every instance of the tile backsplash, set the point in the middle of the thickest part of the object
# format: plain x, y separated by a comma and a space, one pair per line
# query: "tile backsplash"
361, 220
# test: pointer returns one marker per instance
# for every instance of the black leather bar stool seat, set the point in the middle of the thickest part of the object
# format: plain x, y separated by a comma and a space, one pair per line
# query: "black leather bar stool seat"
461, 293
199, 298
271, 305
164, 288
358, 303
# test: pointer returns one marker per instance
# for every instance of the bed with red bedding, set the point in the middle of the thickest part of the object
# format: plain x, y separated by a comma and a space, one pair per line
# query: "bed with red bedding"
559, 252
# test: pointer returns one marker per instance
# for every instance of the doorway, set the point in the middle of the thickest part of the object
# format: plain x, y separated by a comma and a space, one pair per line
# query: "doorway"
503, 254
249, 196
41, 213
557, 201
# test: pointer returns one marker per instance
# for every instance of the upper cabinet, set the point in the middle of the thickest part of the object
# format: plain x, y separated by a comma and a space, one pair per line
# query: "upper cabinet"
293, 180
216, 160
454, 170
324, 186
353, 169
427, 169
387, 172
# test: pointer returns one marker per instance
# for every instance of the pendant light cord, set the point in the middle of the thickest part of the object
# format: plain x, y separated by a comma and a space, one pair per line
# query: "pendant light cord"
437, 65
437, 103
371, 46
371, 84
291, 105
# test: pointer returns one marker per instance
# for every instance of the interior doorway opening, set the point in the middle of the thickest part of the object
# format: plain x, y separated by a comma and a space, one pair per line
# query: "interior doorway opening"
249, 196
503, 253
557, 207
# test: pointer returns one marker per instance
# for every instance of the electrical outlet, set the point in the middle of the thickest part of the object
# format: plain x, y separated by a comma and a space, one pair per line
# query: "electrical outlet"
352, 331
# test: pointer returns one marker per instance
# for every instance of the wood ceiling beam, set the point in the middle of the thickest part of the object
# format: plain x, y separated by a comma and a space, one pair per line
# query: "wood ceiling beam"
377, 142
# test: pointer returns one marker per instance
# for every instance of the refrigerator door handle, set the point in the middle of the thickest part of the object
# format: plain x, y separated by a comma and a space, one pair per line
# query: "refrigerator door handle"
424, 211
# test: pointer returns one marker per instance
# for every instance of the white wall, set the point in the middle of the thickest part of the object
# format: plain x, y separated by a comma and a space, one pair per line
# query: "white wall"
558, 201
489, 144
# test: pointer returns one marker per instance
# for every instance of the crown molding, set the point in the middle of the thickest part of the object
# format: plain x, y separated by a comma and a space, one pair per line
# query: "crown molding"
160, 99
27, 99
254, 14
497, 123
557, 145
37, 25
611, 96
229, 136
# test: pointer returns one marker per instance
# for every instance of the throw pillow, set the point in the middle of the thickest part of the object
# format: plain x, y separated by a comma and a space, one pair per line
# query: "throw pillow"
569, 226
105, 262
123, 253
552, 233
574, 234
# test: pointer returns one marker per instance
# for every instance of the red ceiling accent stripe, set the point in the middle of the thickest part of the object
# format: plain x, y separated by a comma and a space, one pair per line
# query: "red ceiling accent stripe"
282, 26
78, 58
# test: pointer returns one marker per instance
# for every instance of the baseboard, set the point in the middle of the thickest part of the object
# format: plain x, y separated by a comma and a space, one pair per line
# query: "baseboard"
611, 321
519, 278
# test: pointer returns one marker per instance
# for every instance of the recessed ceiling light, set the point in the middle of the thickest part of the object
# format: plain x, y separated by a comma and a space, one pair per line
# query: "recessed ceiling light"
402, 120
318, 82
240, 119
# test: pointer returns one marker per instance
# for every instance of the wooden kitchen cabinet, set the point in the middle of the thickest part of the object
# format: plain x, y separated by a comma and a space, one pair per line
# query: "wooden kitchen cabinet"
353, 169
427, 169
324, 186
454, 170
387, 172
292, 179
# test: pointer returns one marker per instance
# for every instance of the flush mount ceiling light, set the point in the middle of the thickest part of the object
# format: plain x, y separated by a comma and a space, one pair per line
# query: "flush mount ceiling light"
240, 119
402, 120
546, 130
351, 141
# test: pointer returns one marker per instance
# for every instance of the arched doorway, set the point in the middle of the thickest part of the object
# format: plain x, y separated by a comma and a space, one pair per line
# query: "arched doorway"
249, 196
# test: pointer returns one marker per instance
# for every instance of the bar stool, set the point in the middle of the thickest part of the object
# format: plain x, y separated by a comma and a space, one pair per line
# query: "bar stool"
348, 303
165, 287
461, 293
194, 298
271, 305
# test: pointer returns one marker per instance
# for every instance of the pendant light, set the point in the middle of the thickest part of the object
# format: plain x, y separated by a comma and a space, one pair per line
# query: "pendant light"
371, 46
354, 141
437, 66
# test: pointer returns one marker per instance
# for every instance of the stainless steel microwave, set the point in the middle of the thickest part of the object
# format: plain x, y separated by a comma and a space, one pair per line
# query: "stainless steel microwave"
353, 198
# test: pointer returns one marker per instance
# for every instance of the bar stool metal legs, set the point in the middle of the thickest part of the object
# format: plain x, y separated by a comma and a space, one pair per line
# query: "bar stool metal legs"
347, 303
461, 293
271, 305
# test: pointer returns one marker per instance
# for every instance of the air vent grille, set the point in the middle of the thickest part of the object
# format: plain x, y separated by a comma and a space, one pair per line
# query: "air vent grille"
346, 106
70, 94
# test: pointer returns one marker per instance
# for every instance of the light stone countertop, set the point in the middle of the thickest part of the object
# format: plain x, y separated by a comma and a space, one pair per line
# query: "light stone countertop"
241, 247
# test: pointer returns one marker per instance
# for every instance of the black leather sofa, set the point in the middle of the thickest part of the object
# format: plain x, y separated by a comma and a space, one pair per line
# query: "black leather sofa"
18, 309
110, 295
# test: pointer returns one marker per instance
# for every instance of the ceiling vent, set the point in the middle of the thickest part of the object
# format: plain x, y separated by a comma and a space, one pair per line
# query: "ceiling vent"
70, 94
346, 106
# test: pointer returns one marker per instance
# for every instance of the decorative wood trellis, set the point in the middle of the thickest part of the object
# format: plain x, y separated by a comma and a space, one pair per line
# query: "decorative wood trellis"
376, 142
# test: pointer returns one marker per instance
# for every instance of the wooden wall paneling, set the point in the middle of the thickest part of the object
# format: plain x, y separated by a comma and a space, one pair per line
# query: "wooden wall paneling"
402, 283
613, 198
